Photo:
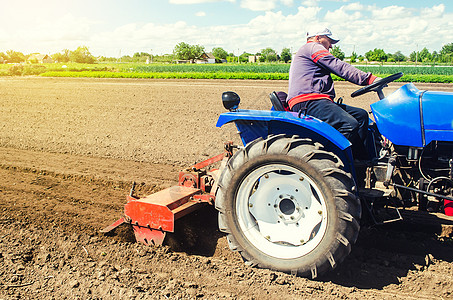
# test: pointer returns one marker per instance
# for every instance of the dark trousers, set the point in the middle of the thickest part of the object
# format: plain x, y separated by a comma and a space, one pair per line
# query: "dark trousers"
350, 121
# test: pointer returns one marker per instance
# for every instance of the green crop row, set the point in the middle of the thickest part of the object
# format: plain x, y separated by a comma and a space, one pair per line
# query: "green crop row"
210, 71
177, 75
280, 68
412, 70
210, 68
227, 75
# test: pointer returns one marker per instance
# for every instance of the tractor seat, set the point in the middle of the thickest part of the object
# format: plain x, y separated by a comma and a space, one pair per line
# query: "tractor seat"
278, 100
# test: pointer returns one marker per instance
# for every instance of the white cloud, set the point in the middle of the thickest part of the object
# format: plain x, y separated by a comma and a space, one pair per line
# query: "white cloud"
310, 3
200, 14
390, 12
288, 2
435, 11
392, 28
259, 5
358, 26
354, 6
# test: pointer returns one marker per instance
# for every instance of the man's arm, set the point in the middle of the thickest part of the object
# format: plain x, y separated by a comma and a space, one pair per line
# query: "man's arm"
340, 68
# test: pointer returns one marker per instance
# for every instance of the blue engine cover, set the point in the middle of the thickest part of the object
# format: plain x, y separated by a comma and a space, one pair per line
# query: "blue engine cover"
410, 117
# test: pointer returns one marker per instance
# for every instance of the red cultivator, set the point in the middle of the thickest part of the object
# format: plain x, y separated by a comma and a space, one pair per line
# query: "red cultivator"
153, 216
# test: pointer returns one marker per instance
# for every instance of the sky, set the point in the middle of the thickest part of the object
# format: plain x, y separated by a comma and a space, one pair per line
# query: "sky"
114, 28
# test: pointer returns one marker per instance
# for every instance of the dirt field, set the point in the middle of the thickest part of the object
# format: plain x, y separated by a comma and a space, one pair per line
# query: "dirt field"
69, 150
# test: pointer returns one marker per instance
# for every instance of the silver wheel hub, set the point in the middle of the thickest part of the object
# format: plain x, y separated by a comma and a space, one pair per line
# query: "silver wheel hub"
281, 211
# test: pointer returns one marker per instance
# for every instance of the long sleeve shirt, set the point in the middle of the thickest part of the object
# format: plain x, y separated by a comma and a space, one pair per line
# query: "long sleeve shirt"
310, 74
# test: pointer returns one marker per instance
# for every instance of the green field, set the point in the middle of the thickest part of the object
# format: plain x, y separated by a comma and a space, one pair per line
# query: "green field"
213, 71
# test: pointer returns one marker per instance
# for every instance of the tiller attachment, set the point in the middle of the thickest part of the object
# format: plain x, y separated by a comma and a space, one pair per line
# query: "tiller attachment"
153, 216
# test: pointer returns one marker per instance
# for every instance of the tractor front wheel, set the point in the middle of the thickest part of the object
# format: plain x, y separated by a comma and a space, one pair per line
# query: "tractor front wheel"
287, 205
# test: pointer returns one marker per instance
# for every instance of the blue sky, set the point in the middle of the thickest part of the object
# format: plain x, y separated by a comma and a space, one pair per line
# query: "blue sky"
111, 28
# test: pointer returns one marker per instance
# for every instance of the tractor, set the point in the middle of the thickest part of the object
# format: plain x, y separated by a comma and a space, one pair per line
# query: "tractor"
292, 197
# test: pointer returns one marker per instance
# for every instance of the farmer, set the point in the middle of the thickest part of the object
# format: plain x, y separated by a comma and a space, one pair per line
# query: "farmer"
311, 88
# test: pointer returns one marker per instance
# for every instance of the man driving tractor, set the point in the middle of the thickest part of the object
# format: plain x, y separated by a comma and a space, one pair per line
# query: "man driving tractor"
311, 88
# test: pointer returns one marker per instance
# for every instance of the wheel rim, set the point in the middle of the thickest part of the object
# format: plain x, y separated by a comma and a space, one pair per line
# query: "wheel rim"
281, 211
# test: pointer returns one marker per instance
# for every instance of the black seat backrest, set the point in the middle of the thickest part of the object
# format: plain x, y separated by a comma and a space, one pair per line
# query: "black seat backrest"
278, 100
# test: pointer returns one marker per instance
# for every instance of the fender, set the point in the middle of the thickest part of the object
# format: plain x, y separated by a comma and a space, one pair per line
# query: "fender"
253, 124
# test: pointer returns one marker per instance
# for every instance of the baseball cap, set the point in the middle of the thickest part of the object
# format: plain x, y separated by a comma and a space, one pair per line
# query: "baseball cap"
326, 32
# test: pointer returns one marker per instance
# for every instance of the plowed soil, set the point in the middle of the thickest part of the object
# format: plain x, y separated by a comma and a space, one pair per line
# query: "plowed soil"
69, 150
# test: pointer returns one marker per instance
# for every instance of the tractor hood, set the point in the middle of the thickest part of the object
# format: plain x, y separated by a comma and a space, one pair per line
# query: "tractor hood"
410, 117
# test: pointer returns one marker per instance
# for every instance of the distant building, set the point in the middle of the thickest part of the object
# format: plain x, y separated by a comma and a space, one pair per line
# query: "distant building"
206, 58
40, 58
254, 58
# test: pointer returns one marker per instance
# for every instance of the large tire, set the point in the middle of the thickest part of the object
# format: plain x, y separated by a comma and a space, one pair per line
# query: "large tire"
287, 205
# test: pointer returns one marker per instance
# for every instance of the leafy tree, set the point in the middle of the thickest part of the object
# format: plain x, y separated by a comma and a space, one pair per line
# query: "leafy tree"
286, 55
140, 56
186, 51
126, 58
219, 53
414, 56
435, 56
62, 57
14, 56
424, 55
447, 49
398, 56
336, 51
82, 55
269, 55
354, 57
446, 53
244, 57
182, 50
163, 58
376, 55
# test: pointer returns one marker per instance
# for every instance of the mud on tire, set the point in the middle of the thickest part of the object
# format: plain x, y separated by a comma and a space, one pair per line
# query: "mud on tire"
286, 204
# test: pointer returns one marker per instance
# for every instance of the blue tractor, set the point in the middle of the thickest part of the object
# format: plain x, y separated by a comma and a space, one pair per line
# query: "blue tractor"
292, 198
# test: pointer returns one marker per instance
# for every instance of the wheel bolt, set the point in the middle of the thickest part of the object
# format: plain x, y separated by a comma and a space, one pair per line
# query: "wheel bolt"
301, 179
320, 212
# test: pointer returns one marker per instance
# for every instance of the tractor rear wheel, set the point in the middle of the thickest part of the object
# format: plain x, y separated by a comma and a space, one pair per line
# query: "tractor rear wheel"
287, 205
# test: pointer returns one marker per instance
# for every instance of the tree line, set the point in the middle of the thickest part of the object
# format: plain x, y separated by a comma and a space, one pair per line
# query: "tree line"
424, 56
184, 51
80, 55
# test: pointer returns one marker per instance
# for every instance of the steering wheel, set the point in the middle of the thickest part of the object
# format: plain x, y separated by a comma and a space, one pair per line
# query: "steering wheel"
377, 86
